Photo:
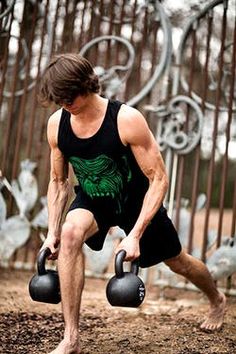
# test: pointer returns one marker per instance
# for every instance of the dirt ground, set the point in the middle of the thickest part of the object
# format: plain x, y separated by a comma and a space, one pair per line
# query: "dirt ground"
168, 325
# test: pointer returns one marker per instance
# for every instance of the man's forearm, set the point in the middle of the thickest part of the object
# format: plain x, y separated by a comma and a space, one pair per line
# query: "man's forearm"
151, 203
57, 195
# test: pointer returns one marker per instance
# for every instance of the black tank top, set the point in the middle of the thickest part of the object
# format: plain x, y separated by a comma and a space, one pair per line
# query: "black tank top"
104, 167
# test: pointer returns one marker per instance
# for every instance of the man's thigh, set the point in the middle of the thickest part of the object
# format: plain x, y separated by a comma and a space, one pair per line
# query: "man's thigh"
83, 220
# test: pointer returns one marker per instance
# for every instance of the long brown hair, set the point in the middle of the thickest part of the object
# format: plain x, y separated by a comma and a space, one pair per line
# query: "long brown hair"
67, 76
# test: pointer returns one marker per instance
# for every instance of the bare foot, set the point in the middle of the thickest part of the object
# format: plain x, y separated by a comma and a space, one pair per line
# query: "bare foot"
215, 318
66, 348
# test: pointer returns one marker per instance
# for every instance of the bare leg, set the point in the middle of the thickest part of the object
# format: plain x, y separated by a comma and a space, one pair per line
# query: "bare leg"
196, 272
71, 272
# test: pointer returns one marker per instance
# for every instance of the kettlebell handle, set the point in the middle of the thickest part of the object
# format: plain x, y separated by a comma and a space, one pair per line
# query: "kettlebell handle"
41, 260
119, 259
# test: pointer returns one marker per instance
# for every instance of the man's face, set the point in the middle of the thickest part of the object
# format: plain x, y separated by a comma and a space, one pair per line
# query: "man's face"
74, 107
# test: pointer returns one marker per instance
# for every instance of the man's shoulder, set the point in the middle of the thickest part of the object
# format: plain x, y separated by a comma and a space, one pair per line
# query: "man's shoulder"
130, 114
53, 126
54, 118
132, 125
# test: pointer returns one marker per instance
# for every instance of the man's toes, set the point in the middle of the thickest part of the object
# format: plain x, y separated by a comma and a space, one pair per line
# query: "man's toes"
212, 327
206, 326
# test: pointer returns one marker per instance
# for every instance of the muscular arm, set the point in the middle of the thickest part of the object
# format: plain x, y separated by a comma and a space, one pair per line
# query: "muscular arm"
134, 131
58, 188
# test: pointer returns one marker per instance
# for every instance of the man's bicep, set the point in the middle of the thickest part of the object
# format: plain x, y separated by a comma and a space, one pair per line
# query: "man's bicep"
146, 150
148, 157
59, 165
134, 131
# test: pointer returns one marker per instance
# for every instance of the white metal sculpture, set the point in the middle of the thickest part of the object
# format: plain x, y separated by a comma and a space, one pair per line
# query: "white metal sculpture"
25, 188
41, 218
222, 262
15, 230
99, 261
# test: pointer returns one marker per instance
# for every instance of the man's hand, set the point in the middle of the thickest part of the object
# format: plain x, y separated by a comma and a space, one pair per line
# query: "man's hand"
131, 245
52, 242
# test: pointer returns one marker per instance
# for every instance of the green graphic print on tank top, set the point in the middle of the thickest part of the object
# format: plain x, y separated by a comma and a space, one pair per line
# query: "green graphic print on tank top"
102, 177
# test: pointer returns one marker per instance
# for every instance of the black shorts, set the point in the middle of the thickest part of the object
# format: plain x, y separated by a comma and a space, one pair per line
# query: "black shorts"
158, 243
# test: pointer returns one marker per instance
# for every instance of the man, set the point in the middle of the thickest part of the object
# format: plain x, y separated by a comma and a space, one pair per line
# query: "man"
122, 181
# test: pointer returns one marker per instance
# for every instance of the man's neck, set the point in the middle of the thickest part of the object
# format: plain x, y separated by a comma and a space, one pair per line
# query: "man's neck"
91, 106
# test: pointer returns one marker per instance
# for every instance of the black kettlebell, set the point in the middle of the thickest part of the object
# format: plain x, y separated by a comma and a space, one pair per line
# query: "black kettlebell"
125, 288
45, 286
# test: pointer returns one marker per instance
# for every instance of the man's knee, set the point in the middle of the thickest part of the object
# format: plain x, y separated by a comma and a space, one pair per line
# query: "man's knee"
180, 264
72, 237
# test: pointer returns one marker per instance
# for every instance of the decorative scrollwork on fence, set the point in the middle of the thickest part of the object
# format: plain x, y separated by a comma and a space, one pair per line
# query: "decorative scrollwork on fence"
179, 124
219, 74
226, 73
113, 77
165, 57
124, 15
15, 42
5, 9
213, 84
